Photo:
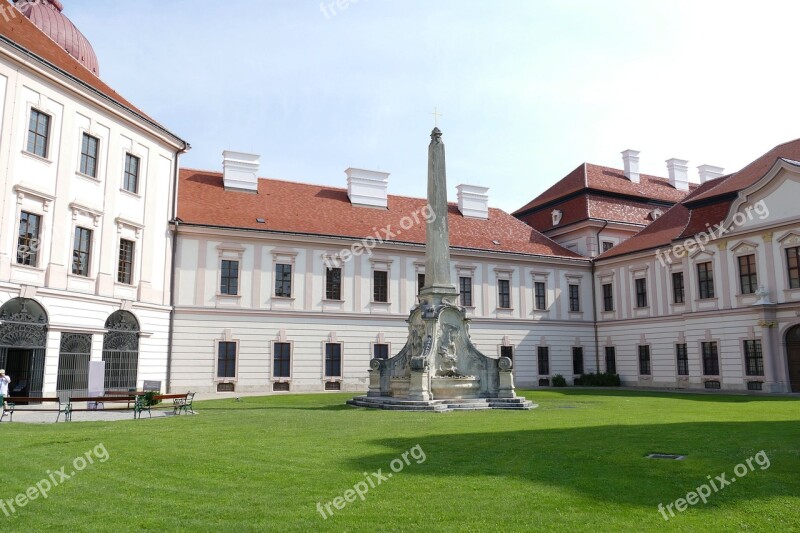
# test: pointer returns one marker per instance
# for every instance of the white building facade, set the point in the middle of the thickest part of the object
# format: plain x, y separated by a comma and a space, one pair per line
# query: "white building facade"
261, 309
88, 189
715, 309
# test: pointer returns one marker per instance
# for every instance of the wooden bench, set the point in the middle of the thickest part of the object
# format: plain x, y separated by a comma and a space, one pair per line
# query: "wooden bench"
186, 405
11, 406
130, 395
180, 403
98, 400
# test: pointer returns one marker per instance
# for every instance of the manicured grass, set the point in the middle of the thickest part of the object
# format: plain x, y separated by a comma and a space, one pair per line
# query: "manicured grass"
574, 464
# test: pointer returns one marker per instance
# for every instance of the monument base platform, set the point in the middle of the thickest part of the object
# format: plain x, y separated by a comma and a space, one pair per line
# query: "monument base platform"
442, 406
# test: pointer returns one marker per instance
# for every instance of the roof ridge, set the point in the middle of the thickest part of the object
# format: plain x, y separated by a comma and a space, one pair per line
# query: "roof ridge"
343, 189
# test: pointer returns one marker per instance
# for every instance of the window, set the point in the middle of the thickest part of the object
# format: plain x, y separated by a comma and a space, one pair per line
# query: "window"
420, 282
611, 360
753, 358
577, 360
380, 351
705, 277
380, 286
507, 351
465, 287
683, 359
28, 240
333, 360
81, 251
504, 293
125, 268
543, 357
282, 360
575, 298
229, 278
607, 245
283, 281
678, 290
130, 181
641, 292
226, 360
333, 284
748, 279
608, 297
793, 263
540, 296
38, 133
644, 360
89, 155
710, 359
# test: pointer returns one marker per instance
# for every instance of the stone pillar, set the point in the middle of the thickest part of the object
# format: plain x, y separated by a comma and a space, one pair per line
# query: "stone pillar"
375, 371
418, 390
506, 388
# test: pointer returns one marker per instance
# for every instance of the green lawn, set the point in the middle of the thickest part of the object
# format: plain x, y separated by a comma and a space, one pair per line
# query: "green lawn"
574, 464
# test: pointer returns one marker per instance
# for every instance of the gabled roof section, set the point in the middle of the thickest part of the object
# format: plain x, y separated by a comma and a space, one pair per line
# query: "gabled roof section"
20, 33
753, 172
587, 178
299, 208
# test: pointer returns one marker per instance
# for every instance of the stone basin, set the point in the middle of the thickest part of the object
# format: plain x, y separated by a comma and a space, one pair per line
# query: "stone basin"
399, 387
445, 388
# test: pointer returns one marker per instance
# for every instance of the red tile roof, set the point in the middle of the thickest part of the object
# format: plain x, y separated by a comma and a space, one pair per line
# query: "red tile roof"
326, 211
705, 207
754, 171
594, 177
18, 30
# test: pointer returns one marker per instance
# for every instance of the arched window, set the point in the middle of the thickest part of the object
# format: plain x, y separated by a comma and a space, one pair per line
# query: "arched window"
121, 351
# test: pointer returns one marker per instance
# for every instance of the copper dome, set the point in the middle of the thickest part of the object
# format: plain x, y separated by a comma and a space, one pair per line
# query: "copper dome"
47, 16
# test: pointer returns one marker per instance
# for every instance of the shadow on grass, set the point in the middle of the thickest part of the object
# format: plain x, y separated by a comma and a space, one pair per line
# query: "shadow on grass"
608, 463
698, 396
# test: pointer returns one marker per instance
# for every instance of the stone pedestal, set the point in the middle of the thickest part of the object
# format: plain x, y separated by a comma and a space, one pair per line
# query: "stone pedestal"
374, 383
505, 387
418, 389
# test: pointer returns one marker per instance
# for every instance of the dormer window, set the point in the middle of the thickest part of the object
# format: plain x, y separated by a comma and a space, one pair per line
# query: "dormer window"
557, 216
656, 214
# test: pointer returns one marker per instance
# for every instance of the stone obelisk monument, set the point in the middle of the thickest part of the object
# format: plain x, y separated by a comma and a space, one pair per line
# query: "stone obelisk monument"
438, 283
439, 369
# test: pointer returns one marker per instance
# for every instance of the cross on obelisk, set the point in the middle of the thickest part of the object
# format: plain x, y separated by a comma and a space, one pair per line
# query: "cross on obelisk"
436, 116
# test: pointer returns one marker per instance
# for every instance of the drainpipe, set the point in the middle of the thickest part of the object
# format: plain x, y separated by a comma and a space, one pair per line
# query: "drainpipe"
594, 302
174, 252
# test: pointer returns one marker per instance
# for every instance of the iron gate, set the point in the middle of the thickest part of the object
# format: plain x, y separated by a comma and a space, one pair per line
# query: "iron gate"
73, 365
121, 351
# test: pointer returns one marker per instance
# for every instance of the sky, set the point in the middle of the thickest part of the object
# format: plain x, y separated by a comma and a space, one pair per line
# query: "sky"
528, 89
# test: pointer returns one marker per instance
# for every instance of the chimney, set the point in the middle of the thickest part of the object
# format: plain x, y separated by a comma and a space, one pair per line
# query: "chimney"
709, 172
678, 173
240, 171
473, 201
367, 188
630, 158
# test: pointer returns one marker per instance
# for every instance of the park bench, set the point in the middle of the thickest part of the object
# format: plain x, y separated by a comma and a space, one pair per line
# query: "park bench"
130, 395
13, 404
98, 401
180, 403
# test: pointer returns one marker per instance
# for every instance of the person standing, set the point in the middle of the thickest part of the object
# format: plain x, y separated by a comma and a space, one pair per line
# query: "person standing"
4, 381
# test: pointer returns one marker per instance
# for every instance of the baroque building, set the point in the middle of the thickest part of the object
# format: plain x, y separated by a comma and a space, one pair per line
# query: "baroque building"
87, 185
221, 281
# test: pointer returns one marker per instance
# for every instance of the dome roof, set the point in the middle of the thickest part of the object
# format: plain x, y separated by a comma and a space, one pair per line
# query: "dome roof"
47, 16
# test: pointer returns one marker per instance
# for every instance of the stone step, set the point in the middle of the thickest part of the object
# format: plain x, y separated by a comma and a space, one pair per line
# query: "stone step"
442, 406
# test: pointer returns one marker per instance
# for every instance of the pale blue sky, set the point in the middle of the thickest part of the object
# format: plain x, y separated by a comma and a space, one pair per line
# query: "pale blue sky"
528, 89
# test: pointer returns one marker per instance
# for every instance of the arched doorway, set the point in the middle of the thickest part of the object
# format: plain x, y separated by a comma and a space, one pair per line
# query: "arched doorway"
121, 351
23, 341
793, 355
